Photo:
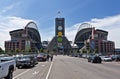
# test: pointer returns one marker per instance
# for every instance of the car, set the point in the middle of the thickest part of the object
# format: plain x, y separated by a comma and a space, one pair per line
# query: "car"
106, 58
115, 57
35, 58
25, 61
42, 57
94, 59
7, 67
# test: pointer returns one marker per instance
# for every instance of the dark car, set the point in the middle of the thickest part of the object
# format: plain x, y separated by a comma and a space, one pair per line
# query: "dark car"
94, 59
42, 57
35, 58
25, 61
115, 57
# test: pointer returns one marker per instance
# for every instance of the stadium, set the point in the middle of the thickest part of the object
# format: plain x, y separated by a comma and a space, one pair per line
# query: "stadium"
96, 39
27, 39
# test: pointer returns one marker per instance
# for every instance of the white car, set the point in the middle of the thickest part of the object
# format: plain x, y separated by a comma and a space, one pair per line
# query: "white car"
106, 58
7, 66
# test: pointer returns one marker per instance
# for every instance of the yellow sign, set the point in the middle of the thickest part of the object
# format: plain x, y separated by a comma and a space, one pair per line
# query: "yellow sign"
59, 33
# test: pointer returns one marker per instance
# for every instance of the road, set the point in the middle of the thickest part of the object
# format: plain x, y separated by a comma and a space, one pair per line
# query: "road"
65, 67
38, 72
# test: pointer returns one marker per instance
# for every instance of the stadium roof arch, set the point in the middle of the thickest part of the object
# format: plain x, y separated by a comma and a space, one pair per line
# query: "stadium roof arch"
84, 32
32, 25
33, 31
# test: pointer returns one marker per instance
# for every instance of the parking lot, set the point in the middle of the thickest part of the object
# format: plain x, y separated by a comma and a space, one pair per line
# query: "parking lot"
65, 67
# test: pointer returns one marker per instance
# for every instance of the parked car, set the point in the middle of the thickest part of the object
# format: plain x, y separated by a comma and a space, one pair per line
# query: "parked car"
35, 58
25, 61
106, 58
115, 57
94, 59
42, 57
7, 67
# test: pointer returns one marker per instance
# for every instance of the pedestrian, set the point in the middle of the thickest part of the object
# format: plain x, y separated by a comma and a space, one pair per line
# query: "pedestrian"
51, 57
48, 57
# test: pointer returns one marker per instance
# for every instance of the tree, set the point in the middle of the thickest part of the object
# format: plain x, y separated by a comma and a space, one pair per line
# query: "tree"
23, 51
1, 51
41, 50
95, 50
78, 51
17, 50
47, 51
30, 50
84, 51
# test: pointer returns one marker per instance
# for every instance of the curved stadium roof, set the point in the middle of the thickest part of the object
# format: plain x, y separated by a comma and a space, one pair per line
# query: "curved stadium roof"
84, 25
32, 25
84, 31
33, 31
83, 28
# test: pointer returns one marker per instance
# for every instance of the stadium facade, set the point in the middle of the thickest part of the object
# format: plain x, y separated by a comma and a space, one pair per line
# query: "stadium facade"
27, 39
94, 39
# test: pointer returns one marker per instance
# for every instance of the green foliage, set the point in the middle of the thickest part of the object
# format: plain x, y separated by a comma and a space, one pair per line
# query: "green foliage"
17, 50
41, 50
78, 51
23, 50
89, 51
95, 50
1, 51
84, 51
71, 51
30, 50
48, 51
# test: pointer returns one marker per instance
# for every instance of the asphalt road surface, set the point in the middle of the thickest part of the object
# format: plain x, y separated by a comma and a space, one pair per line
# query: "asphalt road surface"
65, 67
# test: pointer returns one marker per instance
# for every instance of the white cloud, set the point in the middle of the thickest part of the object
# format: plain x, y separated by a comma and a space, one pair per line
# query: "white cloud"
114, 35
110, 24
9, 23
71, 32
7, 8
110, 21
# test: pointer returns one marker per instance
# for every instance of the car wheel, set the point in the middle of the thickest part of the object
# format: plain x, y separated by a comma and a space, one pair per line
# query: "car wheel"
10, 75
19, 67
88, 60
92, 61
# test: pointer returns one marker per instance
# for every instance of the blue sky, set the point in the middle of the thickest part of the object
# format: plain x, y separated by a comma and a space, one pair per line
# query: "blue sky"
103, 14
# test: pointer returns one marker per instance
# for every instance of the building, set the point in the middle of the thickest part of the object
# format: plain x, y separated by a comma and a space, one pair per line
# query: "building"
59, 44
45, 44
27, 39
117, 51
94, 39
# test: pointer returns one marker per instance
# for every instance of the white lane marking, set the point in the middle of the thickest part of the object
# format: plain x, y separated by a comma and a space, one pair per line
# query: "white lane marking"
49, 70
21, 74
35, 72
